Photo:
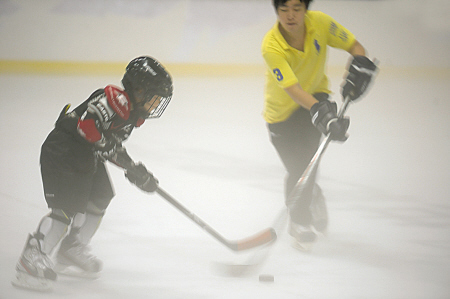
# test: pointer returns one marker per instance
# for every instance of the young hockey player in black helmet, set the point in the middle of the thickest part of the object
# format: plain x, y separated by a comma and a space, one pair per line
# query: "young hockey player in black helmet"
76, 184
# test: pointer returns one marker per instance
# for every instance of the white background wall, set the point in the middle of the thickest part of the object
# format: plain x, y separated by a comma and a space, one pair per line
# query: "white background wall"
397, 32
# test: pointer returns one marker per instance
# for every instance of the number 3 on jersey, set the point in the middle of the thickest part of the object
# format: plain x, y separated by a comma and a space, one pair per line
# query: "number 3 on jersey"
277, 72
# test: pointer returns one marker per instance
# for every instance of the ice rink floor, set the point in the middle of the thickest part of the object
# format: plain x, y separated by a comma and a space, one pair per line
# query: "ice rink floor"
387, 190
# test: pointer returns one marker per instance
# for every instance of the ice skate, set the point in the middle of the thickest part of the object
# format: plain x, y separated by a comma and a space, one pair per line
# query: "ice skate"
74, 259
34, 268
304, 236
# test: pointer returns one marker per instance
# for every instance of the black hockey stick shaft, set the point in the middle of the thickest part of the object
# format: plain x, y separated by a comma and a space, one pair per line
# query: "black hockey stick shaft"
301, 184
266, 236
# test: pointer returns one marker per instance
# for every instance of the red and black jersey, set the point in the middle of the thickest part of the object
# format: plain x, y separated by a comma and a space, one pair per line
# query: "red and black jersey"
105, 115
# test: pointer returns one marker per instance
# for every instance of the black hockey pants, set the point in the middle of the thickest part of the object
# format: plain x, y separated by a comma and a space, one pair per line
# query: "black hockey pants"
296, 141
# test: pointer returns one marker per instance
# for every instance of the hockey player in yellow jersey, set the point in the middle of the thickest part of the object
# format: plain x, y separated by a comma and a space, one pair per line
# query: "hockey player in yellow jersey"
297, 108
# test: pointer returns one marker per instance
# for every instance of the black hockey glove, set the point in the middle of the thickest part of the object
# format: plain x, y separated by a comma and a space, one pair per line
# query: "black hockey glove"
324, 117
360, 73
105, 149
142, 178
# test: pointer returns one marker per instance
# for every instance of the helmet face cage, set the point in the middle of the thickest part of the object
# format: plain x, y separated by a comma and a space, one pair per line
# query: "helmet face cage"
156, 109
148, 82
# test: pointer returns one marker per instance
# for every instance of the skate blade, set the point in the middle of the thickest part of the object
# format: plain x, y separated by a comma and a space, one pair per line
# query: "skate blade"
74, 271
321, 229
302, 246
28, 282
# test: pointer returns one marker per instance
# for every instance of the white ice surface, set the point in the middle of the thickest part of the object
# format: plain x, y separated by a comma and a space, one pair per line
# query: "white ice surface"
387, 190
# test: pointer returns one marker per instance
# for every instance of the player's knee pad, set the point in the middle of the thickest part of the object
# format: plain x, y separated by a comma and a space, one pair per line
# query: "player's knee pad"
51, 229
85, 225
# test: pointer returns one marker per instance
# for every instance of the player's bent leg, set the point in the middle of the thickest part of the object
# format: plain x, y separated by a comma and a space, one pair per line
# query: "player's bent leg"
52, 229
305, 233
74, 257
301, 226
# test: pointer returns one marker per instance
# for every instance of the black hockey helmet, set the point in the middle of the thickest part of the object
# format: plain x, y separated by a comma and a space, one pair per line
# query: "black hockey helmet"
146, 78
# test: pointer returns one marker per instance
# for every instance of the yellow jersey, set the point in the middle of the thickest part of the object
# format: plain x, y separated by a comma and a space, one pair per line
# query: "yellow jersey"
287, 66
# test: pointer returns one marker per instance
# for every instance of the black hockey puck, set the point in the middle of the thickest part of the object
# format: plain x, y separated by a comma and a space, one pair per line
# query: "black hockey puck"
266, 278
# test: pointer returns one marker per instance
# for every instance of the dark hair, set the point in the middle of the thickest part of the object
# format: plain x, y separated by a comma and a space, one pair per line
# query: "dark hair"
277, 3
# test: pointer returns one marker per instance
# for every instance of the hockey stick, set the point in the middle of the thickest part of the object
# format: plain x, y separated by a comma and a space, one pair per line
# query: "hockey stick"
296, 193
255, 260
301, 184
264, 237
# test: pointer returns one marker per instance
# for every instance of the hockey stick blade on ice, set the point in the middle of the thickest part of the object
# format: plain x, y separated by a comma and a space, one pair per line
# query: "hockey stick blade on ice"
266, 236
256, 258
